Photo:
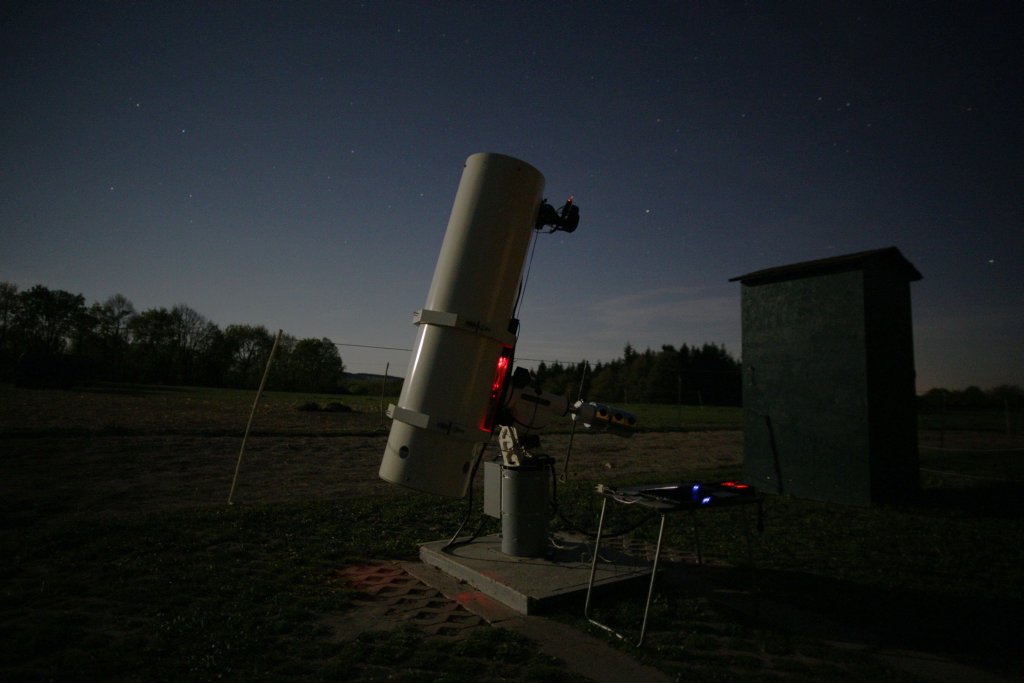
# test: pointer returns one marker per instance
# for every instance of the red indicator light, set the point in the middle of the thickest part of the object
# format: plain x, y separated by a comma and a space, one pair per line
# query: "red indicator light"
499, 376
497, 388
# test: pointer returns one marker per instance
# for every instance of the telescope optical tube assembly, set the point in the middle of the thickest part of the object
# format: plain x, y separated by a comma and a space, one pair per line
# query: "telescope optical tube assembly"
445, 412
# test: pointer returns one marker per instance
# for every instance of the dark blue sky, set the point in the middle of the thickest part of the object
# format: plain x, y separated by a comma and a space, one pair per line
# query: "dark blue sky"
293, 164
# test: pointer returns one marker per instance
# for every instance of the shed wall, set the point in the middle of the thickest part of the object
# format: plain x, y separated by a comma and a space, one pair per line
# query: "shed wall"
806, 407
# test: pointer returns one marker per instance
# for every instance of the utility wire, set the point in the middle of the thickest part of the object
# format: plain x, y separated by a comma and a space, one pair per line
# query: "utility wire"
368, 346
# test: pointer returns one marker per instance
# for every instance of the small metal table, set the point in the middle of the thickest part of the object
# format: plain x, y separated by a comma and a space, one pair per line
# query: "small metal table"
665, 498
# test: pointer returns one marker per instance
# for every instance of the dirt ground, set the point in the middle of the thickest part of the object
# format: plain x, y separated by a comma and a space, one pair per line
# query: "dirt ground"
125, 474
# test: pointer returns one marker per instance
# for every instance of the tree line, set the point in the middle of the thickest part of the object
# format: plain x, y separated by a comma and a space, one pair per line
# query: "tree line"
1002, 397
50, 337
689, 375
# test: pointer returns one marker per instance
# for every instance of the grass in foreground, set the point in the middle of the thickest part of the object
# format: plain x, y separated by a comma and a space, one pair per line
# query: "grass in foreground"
227, 593
247, 593
241, 593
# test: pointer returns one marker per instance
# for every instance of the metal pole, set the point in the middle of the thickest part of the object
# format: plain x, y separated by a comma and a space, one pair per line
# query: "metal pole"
383, 386
252, 414
679, 398
650, 588
593, 564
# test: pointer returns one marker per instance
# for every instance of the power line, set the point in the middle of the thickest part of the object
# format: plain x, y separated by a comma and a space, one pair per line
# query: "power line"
367, 346
518, 358
560, 362
396, 348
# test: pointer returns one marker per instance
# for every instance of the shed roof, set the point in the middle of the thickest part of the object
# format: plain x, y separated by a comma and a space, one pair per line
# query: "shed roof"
888, 258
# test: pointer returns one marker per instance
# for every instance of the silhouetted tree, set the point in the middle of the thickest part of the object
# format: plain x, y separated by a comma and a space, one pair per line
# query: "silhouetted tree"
316, 365
665, 376
46, 319
194, 338
246, 349
153, 346
8, 347
106, 339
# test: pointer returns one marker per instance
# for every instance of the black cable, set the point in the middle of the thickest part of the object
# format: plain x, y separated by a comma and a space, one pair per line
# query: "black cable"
568, 451
526, 279
572, 526
469, 509
452, 544
572, 430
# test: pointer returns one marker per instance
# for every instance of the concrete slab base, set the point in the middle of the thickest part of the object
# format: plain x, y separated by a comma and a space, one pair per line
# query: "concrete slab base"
529, 584
583, 654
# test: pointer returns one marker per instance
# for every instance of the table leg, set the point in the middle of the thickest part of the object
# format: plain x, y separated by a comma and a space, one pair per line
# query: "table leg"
654, 573
593, 562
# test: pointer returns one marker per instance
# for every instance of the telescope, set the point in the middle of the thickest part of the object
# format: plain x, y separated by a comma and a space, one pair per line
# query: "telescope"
460, 390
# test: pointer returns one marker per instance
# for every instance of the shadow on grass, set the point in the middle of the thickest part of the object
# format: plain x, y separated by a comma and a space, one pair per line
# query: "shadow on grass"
992, 499
973, 631
935, 576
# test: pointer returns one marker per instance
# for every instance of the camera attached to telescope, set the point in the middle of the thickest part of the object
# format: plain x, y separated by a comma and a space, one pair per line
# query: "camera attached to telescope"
565, 219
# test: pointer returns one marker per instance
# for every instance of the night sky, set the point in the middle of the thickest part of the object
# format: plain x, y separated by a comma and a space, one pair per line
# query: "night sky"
293, 164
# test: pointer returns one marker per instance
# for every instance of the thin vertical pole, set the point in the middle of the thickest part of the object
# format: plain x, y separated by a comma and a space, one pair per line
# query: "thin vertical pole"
583, 377
593, 564
679, 398
572, 430
252, 414
383, 386
942, 421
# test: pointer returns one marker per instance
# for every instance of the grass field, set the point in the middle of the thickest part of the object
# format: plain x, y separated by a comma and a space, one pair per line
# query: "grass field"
120, 559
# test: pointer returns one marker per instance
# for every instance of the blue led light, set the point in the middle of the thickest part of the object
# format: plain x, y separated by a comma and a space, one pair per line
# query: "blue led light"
705, 500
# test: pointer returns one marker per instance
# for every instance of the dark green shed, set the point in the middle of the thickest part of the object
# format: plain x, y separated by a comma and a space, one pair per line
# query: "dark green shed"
828, 378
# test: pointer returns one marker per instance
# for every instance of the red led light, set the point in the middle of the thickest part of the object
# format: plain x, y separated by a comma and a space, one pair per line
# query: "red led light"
497, 387
499, 376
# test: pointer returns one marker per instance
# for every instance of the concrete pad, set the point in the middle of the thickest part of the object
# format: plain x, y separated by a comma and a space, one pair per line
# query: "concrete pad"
590, 657
528, 584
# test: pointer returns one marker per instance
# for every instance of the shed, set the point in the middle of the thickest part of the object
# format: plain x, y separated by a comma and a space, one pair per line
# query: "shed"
829, 401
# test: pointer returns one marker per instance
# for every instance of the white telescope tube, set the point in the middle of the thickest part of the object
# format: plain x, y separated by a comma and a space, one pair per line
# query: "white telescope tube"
441, 420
